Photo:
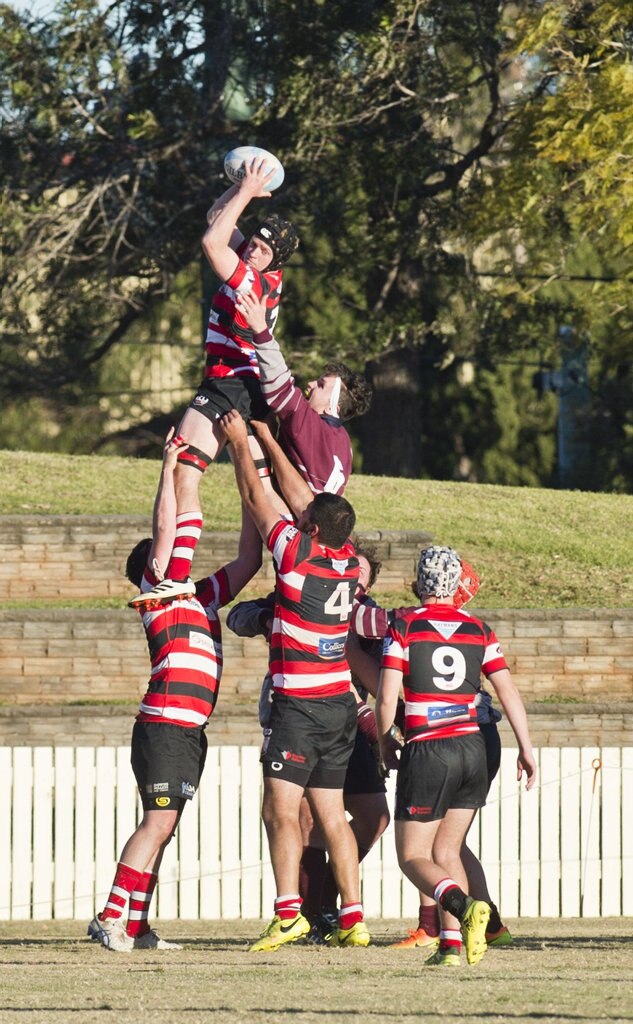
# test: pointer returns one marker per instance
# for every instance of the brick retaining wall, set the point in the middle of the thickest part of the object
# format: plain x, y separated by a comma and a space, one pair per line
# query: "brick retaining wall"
75, 557
561, 725
54, 660
57, 658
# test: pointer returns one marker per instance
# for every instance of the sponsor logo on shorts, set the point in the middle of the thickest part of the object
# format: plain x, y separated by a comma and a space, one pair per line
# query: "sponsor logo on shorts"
329, 648
276, 766
418, 810
200, 400
162, 801
187, 789
295, 758
159, 787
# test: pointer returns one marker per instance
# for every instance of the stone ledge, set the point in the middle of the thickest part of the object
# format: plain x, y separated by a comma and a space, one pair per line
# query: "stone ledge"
554, 725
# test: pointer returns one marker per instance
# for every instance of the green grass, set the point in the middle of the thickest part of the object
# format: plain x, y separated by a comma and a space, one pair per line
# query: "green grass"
533, 547
567, 971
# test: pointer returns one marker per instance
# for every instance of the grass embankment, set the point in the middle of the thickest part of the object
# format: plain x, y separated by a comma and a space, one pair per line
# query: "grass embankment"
533, 547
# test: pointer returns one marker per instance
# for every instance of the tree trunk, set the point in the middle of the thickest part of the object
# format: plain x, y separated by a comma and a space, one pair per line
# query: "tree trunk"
391, 432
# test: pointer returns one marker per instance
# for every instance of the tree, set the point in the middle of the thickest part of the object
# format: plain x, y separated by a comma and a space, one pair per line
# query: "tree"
112, 120
453, 168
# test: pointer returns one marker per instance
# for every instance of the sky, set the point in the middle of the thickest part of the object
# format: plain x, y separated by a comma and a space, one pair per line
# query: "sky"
34, 6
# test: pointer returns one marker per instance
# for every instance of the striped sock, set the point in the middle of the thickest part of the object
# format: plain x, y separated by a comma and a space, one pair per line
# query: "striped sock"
450, 897
349, 915
140, 899
287, 907
450, 941
188, 530
125, 881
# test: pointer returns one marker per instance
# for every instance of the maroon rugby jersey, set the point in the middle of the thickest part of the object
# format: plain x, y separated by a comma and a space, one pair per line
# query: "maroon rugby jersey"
314, 593
317, 445
441, 652
228, 345
185, 647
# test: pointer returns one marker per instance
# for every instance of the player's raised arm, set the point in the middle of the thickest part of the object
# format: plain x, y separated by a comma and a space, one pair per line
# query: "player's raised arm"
223, 216
261, 510
295, 490
164, 514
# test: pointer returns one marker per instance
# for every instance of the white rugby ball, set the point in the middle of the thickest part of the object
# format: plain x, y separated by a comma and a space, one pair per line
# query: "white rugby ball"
235, 160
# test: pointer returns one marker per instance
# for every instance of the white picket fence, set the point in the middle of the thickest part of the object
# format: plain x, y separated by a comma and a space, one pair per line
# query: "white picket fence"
565, 849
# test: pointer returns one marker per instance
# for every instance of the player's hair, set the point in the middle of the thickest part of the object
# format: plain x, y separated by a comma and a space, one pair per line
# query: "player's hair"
335, 518
137, 560
375, 565
356, 393
282, 238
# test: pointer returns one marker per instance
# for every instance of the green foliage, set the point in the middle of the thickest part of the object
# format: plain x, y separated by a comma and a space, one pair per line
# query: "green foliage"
460, 173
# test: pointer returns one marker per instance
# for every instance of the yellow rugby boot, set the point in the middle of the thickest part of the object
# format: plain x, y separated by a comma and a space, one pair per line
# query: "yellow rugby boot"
280, 931
473, 925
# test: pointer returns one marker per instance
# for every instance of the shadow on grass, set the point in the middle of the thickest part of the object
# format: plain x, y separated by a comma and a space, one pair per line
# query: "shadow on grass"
297, 1013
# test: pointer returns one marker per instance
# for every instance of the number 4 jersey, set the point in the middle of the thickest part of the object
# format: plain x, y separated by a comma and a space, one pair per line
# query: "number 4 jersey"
313, 608
441, 652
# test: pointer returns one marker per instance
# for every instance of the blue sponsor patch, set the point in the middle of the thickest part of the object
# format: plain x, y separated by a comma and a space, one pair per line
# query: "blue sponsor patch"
439, 712
331, 648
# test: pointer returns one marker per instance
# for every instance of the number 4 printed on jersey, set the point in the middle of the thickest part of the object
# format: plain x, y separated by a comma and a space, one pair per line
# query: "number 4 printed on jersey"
339, 603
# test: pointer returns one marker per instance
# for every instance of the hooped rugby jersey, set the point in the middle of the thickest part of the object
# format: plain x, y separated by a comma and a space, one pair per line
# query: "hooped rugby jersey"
317, 445
185, 647
315, 589
442, 652
229, 347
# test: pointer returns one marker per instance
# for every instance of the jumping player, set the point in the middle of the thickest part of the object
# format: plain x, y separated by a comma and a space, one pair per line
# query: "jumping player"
313, 714
168, 740
231, 376
438, 653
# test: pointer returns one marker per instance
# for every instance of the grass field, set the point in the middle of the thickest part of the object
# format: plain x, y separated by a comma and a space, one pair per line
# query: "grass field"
558, 971
533, 548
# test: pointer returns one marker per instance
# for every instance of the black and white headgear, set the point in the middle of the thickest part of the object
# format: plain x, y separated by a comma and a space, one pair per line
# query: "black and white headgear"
439, 572
281, 236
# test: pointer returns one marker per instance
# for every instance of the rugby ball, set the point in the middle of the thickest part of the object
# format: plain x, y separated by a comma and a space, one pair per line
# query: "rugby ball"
235, 160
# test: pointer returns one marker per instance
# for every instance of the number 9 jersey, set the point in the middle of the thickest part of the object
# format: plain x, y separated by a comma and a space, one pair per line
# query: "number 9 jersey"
441, 652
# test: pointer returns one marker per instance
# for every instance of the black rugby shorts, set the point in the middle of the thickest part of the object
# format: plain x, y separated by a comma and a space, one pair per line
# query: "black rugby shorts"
362, 771
167, 761
218, 395
491, 738
309, 740
436, 776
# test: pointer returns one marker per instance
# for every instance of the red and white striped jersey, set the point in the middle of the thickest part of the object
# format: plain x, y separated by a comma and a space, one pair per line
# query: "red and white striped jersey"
185, 647
441, 652
315, 589
229, 347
